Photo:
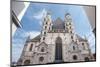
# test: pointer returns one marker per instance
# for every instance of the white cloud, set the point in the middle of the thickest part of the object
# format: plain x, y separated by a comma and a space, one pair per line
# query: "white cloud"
40, 15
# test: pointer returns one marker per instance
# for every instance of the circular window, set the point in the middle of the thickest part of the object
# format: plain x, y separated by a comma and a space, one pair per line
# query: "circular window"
83, 44
75, 57
41, 59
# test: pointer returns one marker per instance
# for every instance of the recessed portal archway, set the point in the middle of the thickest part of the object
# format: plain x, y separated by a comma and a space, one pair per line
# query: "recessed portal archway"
58, 50
26, 62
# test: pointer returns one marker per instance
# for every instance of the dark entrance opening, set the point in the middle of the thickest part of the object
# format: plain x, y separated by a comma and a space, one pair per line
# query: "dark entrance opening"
26, 62
86, 59
58, 50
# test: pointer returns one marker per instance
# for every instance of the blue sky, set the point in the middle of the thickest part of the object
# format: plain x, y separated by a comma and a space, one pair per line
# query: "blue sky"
32, 23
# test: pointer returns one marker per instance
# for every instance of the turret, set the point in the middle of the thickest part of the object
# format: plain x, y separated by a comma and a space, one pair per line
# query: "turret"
47, 26
68, 23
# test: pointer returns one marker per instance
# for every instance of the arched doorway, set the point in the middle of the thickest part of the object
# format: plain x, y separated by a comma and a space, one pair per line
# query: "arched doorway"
26, 62
86, 59
74, 57
58, 50
41, 59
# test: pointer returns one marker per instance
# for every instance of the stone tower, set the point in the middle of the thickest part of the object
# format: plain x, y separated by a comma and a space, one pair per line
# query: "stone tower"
47, 26
68, 23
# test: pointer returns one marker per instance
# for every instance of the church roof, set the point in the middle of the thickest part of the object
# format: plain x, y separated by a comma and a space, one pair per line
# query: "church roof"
37, 38
58, 24
80, 38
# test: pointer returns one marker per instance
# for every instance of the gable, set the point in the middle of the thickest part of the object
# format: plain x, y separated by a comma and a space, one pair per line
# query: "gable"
42, 47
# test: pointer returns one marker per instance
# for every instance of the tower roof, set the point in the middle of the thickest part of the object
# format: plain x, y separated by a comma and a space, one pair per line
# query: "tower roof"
58, 24
37, 38
67, 14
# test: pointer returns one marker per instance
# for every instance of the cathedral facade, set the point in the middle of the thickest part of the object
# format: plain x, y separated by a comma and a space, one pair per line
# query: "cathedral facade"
57, 43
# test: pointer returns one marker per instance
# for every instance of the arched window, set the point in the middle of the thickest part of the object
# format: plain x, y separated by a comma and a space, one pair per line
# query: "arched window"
83, 45
46, 22
69, 23
71, 37
31, 47
86, 59
43, 38
44, 33
70, 31
26, 62
75, 57
45, 27
49, 28
42, 49
41, 59
73, 47
70, 27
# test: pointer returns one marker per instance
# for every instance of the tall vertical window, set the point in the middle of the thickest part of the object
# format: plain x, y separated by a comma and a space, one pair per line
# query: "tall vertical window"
49, 28
70, 31
73, 47
46, 22
43, 38
83, 45
31, 47
42, 49
71, 37
45, 27
70, 27
44, 33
